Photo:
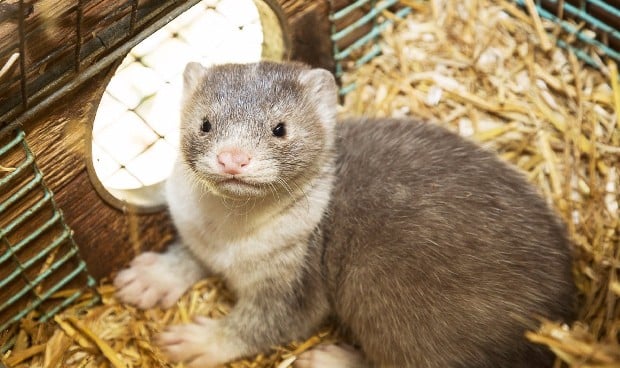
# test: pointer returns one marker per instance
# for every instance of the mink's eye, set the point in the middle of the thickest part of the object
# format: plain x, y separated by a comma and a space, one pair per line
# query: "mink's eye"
279, 130
206, 125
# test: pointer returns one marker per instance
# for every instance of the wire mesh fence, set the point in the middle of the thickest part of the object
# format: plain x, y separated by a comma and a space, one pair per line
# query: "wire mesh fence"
41, 271
592, 24
135, 131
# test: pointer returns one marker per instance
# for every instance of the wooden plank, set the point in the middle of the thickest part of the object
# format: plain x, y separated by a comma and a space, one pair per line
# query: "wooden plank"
101, 231
53, 38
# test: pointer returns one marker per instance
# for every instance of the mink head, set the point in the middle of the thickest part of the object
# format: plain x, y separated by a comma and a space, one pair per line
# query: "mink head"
251, 130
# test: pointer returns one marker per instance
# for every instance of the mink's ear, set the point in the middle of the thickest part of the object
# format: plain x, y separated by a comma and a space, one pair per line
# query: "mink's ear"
192, 77
321, 86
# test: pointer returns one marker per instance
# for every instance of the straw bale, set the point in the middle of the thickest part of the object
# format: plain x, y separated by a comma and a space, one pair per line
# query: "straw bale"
488, 70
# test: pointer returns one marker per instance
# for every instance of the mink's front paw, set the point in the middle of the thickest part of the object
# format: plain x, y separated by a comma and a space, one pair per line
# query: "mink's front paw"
199, 345
150, 280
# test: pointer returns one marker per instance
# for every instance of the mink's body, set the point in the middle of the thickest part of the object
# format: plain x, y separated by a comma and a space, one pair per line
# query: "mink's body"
450, 251
427, 250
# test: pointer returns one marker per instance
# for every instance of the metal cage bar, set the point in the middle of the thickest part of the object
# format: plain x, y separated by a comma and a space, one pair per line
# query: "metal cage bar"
605, 30
346, 53
581, 13
38, 288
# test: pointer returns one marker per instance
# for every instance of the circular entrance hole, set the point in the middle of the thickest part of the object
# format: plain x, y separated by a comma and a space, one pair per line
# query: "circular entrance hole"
136, 129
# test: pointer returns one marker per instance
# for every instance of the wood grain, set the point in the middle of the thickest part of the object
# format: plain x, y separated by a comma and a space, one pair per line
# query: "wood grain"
59, 141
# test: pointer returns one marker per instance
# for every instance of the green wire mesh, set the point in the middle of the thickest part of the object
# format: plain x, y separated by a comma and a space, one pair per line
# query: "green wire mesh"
41, 271
370, 24
596, 15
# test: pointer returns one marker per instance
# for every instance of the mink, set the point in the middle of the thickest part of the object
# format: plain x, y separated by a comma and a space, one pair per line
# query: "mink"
423, 248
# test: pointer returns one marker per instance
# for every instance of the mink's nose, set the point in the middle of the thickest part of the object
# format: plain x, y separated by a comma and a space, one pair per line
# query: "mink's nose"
232, 161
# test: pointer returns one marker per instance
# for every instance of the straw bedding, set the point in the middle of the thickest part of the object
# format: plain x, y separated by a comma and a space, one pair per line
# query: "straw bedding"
489, 71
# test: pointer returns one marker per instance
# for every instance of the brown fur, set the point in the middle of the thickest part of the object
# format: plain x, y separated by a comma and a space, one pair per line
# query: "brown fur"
438, 254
